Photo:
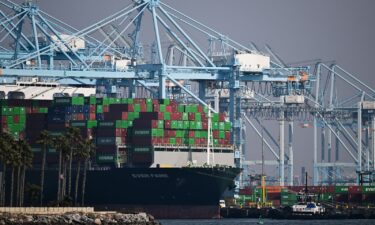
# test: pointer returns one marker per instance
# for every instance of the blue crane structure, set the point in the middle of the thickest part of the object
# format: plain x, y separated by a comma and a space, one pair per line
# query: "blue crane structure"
114, 52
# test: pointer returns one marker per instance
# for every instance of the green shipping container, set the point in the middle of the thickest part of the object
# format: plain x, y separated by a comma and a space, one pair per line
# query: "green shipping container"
149, 108
368, 189
105, 101
92, 100
193, 125
215, 117
186, 125
92, 124
78, 100
174, 124
221, 134
43, 110
137, 107
172, 141
341, 189
162, 108
9, 119
227, 126
167, 116
99, 109
180, 108
221, 125
185, 116
180, 125
22, 119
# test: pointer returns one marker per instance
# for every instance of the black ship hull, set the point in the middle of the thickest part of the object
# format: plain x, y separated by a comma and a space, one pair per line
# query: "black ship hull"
162, 192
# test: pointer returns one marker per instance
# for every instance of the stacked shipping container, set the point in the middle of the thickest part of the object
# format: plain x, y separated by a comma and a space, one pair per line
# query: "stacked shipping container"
134, 125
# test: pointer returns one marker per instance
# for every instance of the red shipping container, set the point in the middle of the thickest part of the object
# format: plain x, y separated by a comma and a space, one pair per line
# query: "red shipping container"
92, 108
215, 134
330, 189
167, 124
191, 134
179, 141
105, 108
172, 133
16, 119
227, 135
3, 119
197, 141
222, 117
92, 116
154, 124
124, 115
174, 108
155, 101
160, 115
130, 108
200, 108
118, 132
355, 189
168, 108
191, 116
80, 116
204, 125
143, 107
156, 107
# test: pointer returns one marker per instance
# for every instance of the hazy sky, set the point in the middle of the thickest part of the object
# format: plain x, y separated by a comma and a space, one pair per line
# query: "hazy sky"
298, 30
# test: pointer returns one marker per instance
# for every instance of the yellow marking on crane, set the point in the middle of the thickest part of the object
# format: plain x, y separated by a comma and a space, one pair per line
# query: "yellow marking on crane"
1, 72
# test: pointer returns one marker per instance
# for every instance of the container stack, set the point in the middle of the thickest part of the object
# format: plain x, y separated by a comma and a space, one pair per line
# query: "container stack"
136, 126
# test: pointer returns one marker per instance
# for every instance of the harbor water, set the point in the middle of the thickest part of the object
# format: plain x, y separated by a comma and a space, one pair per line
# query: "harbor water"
265, 221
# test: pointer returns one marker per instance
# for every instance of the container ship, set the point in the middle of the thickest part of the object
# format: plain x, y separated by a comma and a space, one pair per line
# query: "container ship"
151, 154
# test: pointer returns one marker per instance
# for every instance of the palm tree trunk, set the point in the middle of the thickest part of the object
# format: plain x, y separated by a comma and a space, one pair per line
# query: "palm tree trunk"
3, 180
12, 188
70, 172
59, 178
18, 191
64, 182
77, 183
42, 174
84, 183
23, 175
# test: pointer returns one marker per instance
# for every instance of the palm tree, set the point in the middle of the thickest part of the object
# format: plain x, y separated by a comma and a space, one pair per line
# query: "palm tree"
14, 161
45, 140
5, 156
89, 147
26, 162
79, 155
61, 144
74, 137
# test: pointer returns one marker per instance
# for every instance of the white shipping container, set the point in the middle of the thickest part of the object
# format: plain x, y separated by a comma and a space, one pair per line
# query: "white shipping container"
294, 99
249, 62
75, 43
368, 104
122, 64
